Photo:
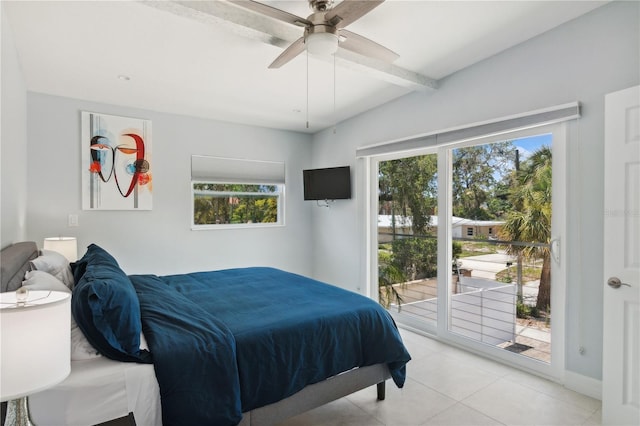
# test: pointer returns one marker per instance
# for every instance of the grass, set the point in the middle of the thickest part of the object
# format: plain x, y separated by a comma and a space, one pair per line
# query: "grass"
477, 248
529, 273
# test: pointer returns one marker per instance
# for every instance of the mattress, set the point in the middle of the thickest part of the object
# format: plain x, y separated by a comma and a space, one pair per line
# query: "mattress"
98, 390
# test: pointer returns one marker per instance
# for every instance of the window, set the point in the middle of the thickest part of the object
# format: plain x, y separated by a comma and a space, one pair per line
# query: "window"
225, 204
230, 192
470, 232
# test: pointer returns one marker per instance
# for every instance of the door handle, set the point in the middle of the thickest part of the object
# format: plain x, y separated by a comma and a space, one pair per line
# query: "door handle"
614, 282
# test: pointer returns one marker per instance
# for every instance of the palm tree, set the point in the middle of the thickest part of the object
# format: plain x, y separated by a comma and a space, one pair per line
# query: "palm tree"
388, 275
530, 220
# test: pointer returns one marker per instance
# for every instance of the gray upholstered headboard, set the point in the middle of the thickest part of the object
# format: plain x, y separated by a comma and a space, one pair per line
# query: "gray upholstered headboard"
14, 260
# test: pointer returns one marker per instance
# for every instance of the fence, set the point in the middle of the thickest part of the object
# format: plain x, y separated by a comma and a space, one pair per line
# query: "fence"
487, 313
482, 306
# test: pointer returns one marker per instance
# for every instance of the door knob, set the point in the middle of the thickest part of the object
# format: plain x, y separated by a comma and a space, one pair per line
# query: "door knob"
615, 282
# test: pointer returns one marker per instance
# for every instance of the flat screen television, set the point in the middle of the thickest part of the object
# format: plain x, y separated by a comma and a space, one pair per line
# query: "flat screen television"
333, 183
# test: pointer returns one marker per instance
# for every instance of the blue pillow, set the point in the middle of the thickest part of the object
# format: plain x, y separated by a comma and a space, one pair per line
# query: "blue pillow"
106, 308
95, 255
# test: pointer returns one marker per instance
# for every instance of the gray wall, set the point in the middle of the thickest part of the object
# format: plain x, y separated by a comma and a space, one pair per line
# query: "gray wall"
13, 143
579, 61
161, 241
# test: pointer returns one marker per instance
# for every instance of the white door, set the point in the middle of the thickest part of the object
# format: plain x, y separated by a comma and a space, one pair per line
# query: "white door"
621, 340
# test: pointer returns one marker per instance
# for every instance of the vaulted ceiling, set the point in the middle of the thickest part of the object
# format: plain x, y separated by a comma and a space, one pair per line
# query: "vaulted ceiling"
210, 58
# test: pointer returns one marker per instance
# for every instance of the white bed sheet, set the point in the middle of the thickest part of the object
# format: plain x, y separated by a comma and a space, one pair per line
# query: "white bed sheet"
98, 390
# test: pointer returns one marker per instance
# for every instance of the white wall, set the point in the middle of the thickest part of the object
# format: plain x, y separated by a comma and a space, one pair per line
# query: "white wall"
13, 142
579, 61
161, 241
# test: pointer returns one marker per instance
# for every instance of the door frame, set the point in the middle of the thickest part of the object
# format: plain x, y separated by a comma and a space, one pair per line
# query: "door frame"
561, 131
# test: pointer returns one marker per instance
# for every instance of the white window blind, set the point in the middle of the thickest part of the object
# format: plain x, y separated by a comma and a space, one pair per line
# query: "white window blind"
233, 170
530, 119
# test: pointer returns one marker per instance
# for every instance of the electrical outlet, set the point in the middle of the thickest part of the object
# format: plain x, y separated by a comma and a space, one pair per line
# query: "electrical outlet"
73, 220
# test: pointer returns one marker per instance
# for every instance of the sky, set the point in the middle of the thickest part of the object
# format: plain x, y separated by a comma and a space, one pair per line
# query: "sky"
529, 145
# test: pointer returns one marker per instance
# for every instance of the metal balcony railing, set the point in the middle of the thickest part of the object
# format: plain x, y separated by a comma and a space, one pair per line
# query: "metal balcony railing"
493, 295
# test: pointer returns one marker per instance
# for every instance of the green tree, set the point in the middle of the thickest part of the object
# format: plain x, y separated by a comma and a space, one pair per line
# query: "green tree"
408, 190
477, 172
268, 208
408, 186
530, 220
234, 203
416, 257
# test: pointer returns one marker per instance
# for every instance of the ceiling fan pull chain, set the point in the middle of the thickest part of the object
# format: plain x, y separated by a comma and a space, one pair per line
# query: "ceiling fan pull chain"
335, 120
307, 89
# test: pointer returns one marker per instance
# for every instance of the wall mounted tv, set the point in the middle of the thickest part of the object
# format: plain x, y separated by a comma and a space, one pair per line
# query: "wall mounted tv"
332, 183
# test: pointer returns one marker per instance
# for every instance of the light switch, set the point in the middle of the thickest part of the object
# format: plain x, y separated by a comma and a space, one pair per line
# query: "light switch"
73, 220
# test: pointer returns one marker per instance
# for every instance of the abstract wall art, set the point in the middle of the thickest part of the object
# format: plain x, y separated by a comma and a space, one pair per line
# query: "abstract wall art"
116, 163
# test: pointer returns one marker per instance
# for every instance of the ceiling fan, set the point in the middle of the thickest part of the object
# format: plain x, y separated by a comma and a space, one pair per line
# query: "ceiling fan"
324, 29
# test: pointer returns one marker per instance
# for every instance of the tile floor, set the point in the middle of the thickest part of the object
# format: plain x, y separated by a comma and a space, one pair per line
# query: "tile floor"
448, 386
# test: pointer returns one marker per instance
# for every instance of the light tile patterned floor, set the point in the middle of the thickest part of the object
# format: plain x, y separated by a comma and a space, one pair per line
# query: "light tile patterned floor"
448, 386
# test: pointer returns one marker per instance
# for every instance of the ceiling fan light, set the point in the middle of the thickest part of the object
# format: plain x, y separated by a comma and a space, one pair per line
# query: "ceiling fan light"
322, 43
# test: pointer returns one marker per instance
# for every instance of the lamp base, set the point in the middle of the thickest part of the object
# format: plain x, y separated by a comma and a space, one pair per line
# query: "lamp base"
18, 413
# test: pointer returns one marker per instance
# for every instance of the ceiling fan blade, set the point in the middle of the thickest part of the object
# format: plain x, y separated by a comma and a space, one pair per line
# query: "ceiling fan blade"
364, 46
349, 11
272, 12
296, 48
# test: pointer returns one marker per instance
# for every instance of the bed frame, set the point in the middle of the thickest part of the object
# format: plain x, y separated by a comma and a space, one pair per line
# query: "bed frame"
14, 261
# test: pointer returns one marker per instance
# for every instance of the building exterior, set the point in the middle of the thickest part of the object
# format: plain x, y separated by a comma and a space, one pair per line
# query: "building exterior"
462, 228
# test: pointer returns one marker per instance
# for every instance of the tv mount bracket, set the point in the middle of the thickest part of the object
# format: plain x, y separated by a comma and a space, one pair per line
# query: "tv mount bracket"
325, 203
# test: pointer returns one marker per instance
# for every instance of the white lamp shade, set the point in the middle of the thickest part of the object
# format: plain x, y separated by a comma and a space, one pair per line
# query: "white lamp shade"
322, 43
66, 246
35, 342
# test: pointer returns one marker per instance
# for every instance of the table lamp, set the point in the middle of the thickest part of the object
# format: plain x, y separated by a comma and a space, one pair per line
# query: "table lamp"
35, 346
67, 246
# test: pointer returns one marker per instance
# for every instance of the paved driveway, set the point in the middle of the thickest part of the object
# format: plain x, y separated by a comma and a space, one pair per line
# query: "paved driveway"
486, 265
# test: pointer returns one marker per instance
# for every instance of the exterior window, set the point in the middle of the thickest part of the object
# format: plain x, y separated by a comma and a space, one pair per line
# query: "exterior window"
231, 192
490, 231
235, 204
470, 232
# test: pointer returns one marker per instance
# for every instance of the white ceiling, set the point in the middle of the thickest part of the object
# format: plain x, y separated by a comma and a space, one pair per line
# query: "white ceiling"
181, 58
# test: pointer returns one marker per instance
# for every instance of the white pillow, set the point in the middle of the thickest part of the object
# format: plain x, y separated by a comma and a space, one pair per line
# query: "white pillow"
40, 280
55, 264
80, 346
143, 342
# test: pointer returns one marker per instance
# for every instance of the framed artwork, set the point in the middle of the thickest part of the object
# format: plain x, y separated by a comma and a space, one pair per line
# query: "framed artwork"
116, 163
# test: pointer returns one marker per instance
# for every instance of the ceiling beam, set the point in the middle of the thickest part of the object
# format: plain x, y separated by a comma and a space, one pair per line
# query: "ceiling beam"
231, 17
385, 71
251, 25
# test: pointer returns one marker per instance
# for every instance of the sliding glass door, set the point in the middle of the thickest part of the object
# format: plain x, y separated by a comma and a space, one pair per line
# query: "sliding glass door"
500, 225
407, 244
466, 246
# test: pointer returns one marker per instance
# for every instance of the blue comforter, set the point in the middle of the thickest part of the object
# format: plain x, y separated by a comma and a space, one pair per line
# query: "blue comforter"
226, 342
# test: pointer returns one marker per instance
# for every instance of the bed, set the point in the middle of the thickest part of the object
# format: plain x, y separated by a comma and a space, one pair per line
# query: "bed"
249, 346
